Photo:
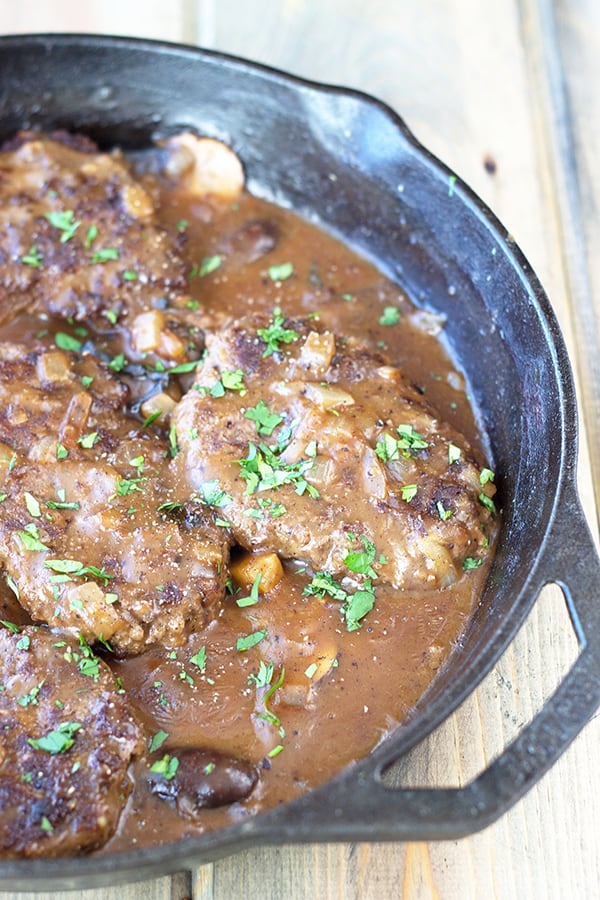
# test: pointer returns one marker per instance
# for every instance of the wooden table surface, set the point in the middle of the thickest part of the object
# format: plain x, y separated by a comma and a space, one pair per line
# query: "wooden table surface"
506, 94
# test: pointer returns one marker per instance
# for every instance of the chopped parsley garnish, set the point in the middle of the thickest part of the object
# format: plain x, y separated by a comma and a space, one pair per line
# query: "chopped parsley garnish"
46, 825
276, 334
311, 670
264, 676
487, 502
408, 492
67, 342
169, 507
12, 584
265, 420
57, 741
229, 381
361, 561
62, 502
263, 470
184, 368
281, 272
355, 606
33, 258
90, 236
323, 583
117, 364
213, 494
130, 275
157, 740
208, 265
33, 506
358, 605
485, 476
253, 597
443, 513
30, 699
87, 441
106, 254
471, 562
150, 419
181, 225
76, 569
65, 222
250, 640
199, 659
390, 316
454, 453
126, 486
30, 538
173, 446
61, 451
266, 507
408, 442
268, 715
167, 767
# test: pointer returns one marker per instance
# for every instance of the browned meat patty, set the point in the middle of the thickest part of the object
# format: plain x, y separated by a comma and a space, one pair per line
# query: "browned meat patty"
79, 237
66, 740
315, 448
95, 533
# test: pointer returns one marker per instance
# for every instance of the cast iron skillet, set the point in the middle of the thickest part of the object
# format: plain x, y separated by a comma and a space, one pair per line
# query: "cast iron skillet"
346, 161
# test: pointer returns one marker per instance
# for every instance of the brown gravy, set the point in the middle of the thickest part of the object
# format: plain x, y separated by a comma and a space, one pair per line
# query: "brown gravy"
311, 727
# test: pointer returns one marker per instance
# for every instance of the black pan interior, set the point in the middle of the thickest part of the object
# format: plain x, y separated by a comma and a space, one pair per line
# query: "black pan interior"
346, 162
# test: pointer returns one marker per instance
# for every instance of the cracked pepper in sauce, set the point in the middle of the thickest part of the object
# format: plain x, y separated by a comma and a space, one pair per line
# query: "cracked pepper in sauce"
245, 512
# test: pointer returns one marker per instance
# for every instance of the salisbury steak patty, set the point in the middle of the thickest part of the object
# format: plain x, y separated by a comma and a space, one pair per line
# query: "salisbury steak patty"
320, 450
96, 535
79, 237
66, 741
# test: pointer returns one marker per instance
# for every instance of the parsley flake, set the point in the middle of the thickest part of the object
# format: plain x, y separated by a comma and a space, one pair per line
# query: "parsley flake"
57, 741
408, 492
390, 316
167, 767
33, 258
104, 255
281, 272
64, 222
276, 334
253, 597
250, 640
263, 470
157, 740
361, 561
265, 420
67, 342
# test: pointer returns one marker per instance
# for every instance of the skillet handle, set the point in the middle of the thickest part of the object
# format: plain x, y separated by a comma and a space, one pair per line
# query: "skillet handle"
362, 808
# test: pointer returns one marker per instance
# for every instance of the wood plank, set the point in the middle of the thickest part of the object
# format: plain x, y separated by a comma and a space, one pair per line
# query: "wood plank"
139, 18
572, 114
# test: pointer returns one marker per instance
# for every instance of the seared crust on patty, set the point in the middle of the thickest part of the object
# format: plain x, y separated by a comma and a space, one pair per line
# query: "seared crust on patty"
95, 531
321, 446
67, 737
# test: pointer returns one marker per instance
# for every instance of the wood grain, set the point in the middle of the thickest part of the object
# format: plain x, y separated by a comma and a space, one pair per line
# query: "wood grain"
506, 94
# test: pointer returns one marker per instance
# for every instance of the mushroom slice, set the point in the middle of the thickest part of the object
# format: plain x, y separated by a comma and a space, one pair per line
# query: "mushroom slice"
204, 166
